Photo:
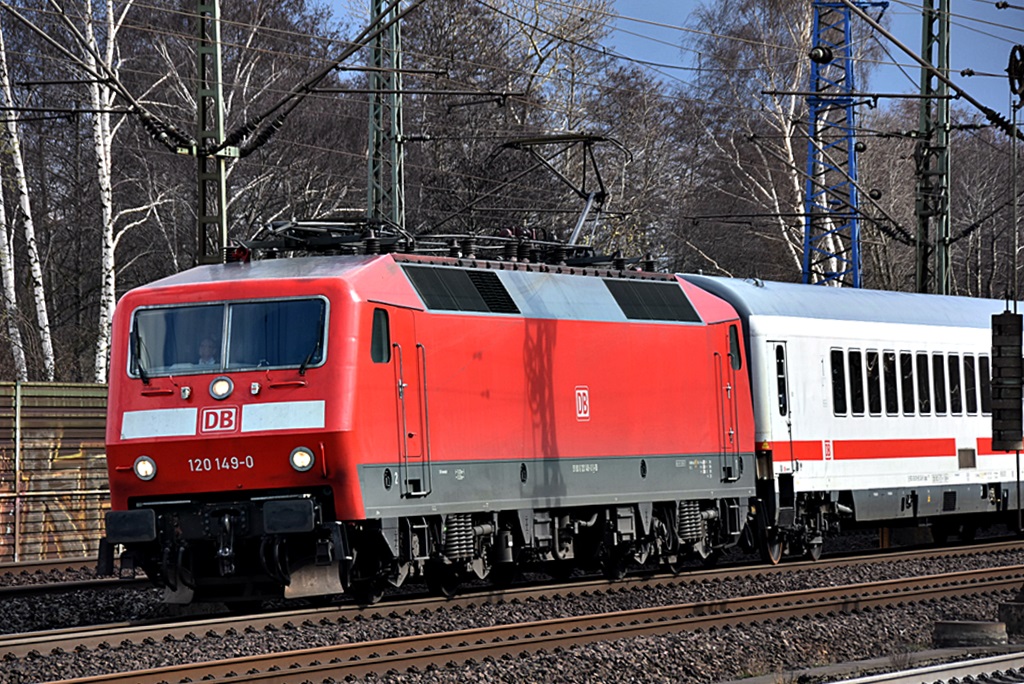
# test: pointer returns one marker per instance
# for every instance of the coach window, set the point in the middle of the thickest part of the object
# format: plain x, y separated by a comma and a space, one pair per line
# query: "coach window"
780, 379
955, 398
924, 390
874, 386
856, 383
838, 383
970, 384
985, 379
939, 380
892, 400
985, 382
380, 338
907, 382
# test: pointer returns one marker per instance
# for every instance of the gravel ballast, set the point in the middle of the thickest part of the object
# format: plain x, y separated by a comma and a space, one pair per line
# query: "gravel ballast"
716, 655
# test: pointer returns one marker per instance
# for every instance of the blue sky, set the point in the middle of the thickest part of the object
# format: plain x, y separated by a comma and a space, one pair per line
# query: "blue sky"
982, 37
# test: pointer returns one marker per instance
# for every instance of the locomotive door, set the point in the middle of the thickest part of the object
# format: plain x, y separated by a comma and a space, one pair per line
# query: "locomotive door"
728, 439
409, 357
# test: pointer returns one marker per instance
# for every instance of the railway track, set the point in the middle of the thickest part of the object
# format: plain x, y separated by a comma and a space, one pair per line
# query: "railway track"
41, 578
442, 649
20, 645
8, 570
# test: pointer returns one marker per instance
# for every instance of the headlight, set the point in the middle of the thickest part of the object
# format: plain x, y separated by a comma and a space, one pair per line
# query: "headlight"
221, 388
302, 459
145, 468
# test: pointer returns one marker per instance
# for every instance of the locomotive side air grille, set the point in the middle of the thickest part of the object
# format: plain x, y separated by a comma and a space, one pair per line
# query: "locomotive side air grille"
458, 536
691, 527
493, 292
453, 289
652, 301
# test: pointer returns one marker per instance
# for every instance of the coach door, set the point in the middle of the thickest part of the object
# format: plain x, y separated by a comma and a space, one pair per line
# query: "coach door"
409, 358
725, 378
779, 397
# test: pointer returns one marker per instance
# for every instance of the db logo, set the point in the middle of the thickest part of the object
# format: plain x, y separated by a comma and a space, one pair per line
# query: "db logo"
582, 403
220, 419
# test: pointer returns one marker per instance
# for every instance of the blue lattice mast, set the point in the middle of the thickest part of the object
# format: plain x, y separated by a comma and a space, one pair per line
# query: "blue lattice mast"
831, 205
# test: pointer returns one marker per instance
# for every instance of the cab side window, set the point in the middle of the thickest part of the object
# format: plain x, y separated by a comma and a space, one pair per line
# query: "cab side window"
380, 338
734, 348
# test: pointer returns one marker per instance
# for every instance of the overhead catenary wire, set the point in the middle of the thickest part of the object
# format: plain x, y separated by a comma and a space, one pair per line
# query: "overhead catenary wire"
165, 133
553, 109
997, 119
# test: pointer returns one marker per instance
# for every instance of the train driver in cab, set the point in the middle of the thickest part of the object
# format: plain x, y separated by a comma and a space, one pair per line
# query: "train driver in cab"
207, 352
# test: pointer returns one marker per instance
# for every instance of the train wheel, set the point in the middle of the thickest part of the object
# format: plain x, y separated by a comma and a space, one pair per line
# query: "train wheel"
711, 560
614, 564
244, 606
504, 574
367, 592
443, 580
560, 571
771, 548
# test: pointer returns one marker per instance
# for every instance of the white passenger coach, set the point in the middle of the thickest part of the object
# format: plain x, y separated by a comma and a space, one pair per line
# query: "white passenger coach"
871, 407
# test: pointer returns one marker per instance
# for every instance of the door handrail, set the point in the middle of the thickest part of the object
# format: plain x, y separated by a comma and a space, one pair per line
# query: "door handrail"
422, 350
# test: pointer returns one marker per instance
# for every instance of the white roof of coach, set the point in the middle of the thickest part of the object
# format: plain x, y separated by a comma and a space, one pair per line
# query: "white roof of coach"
753, 297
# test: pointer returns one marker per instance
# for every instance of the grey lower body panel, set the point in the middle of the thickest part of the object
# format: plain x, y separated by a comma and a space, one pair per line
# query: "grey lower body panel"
923, 502
392, 490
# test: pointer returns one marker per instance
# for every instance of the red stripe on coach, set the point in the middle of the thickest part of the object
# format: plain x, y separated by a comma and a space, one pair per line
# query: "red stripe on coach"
848, 450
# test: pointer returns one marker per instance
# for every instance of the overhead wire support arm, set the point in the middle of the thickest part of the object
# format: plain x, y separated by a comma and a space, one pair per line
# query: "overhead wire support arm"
375, 28
993, 116
163, 132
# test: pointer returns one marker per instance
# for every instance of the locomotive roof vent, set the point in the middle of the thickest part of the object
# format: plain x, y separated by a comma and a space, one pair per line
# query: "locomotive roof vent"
652, 301
456, 289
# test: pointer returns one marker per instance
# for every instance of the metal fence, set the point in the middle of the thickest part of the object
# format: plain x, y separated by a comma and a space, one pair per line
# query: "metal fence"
53, 470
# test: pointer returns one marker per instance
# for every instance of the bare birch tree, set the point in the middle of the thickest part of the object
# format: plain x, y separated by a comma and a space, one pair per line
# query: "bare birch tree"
24, 212
94, 31
752, 55
10, 309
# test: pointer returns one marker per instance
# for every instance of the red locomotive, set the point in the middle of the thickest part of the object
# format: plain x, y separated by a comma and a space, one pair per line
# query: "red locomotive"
366, 419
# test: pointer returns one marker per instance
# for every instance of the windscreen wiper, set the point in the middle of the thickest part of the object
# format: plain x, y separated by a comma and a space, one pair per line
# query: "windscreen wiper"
316, 345
137, 339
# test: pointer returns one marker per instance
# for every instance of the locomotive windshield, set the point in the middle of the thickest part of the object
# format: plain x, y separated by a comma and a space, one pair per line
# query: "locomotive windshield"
226, 336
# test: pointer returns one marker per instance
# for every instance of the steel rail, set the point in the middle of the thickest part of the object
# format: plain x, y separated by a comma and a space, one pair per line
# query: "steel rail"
44, 588
960, 670
441, 649
19, 645
43, 566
